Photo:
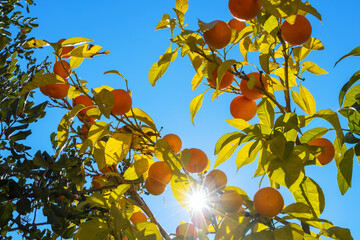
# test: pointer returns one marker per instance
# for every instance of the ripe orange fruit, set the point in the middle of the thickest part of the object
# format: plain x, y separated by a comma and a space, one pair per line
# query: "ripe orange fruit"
225, 82
63, 71
219, 36
84, 100
160, 172
231, 201
186, 230
244, 9
241, 107
62, 197
138, 217
254, 93
298, 33
174, 142
84, 130
268, 202
65, 50
122, 102
237, 24
215, 179
328, 151
105, 170
198, 161
154, 187
44, 91
57, 90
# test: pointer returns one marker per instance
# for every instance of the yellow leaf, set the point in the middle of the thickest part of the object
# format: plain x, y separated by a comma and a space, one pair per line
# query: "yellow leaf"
117, 147
42, 80
34, 43
308, 100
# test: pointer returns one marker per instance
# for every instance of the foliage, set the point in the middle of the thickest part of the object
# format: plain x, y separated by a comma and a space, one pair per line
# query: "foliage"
95, 181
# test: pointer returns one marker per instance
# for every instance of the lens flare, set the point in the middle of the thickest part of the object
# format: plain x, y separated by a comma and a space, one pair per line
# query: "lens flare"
198, 200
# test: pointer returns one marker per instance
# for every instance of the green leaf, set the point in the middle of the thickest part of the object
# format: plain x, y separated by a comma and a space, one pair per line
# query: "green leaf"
345, 169
105, 101
313, 68
180, 16
163, 152
159, 68
306, 7
264, 62
310, 193
298, 100
147, 231
308, 100
195, 105
182, 5
271, 25
181, 189
117, 147
281, 9
6, 211
263, 235
339, 233
75, 41
299, 210
357, 151
353, 117
95, 229
206, 26
354, 78
350, 96
98, 130
42, 80
353, 53
226, 152
234, 226
118, 192
238, 123
265, 112
34, 43
164, 22
140, 115
312, 134
247, 153
86, 51
288, 172
226, 139
63, 128
313, 44
289, 231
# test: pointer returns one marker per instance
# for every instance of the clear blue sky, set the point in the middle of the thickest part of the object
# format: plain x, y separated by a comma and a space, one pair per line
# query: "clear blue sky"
126, 28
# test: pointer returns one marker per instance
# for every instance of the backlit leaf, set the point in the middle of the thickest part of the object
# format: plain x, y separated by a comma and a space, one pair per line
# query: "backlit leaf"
159, 68
147, 231
164, 22
350, 96
86, 51
105, 101
310, 193
117, 147
34, 43
354, 78
238, 123
226, 139
118, 192
226, 152
95, 229
233, 227
247, 153
312, 134
75, 41
265, 112
182, 5
313, 68
42, 80
298, 100
195, 105
140, 115
345, 170
308, 100
353, 53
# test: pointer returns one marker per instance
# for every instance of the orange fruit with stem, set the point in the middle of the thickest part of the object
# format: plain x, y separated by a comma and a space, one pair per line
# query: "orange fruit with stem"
268, 202
254, 93
186, 230
244, 9
84, 100
231, 201
215, 180
122, 102
62, 68
225, 81
219, 36
242, 107
65, 50
236, 24
297, 33
57, 90
198, 161
154, 187
174, 142
160, 172
138, 217
328, 152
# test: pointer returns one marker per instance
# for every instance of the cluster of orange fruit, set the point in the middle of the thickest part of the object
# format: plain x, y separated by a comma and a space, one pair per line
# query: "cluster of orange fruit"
122, 99
219, 36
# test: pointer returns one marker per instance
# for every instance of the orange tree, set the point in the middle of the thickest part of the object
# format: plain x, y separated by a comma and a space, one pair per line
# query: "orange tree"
108, 153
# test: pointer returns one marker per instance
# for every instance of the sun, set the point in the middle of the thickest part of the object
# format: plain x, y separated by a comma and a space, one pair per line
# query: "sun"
198, 200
